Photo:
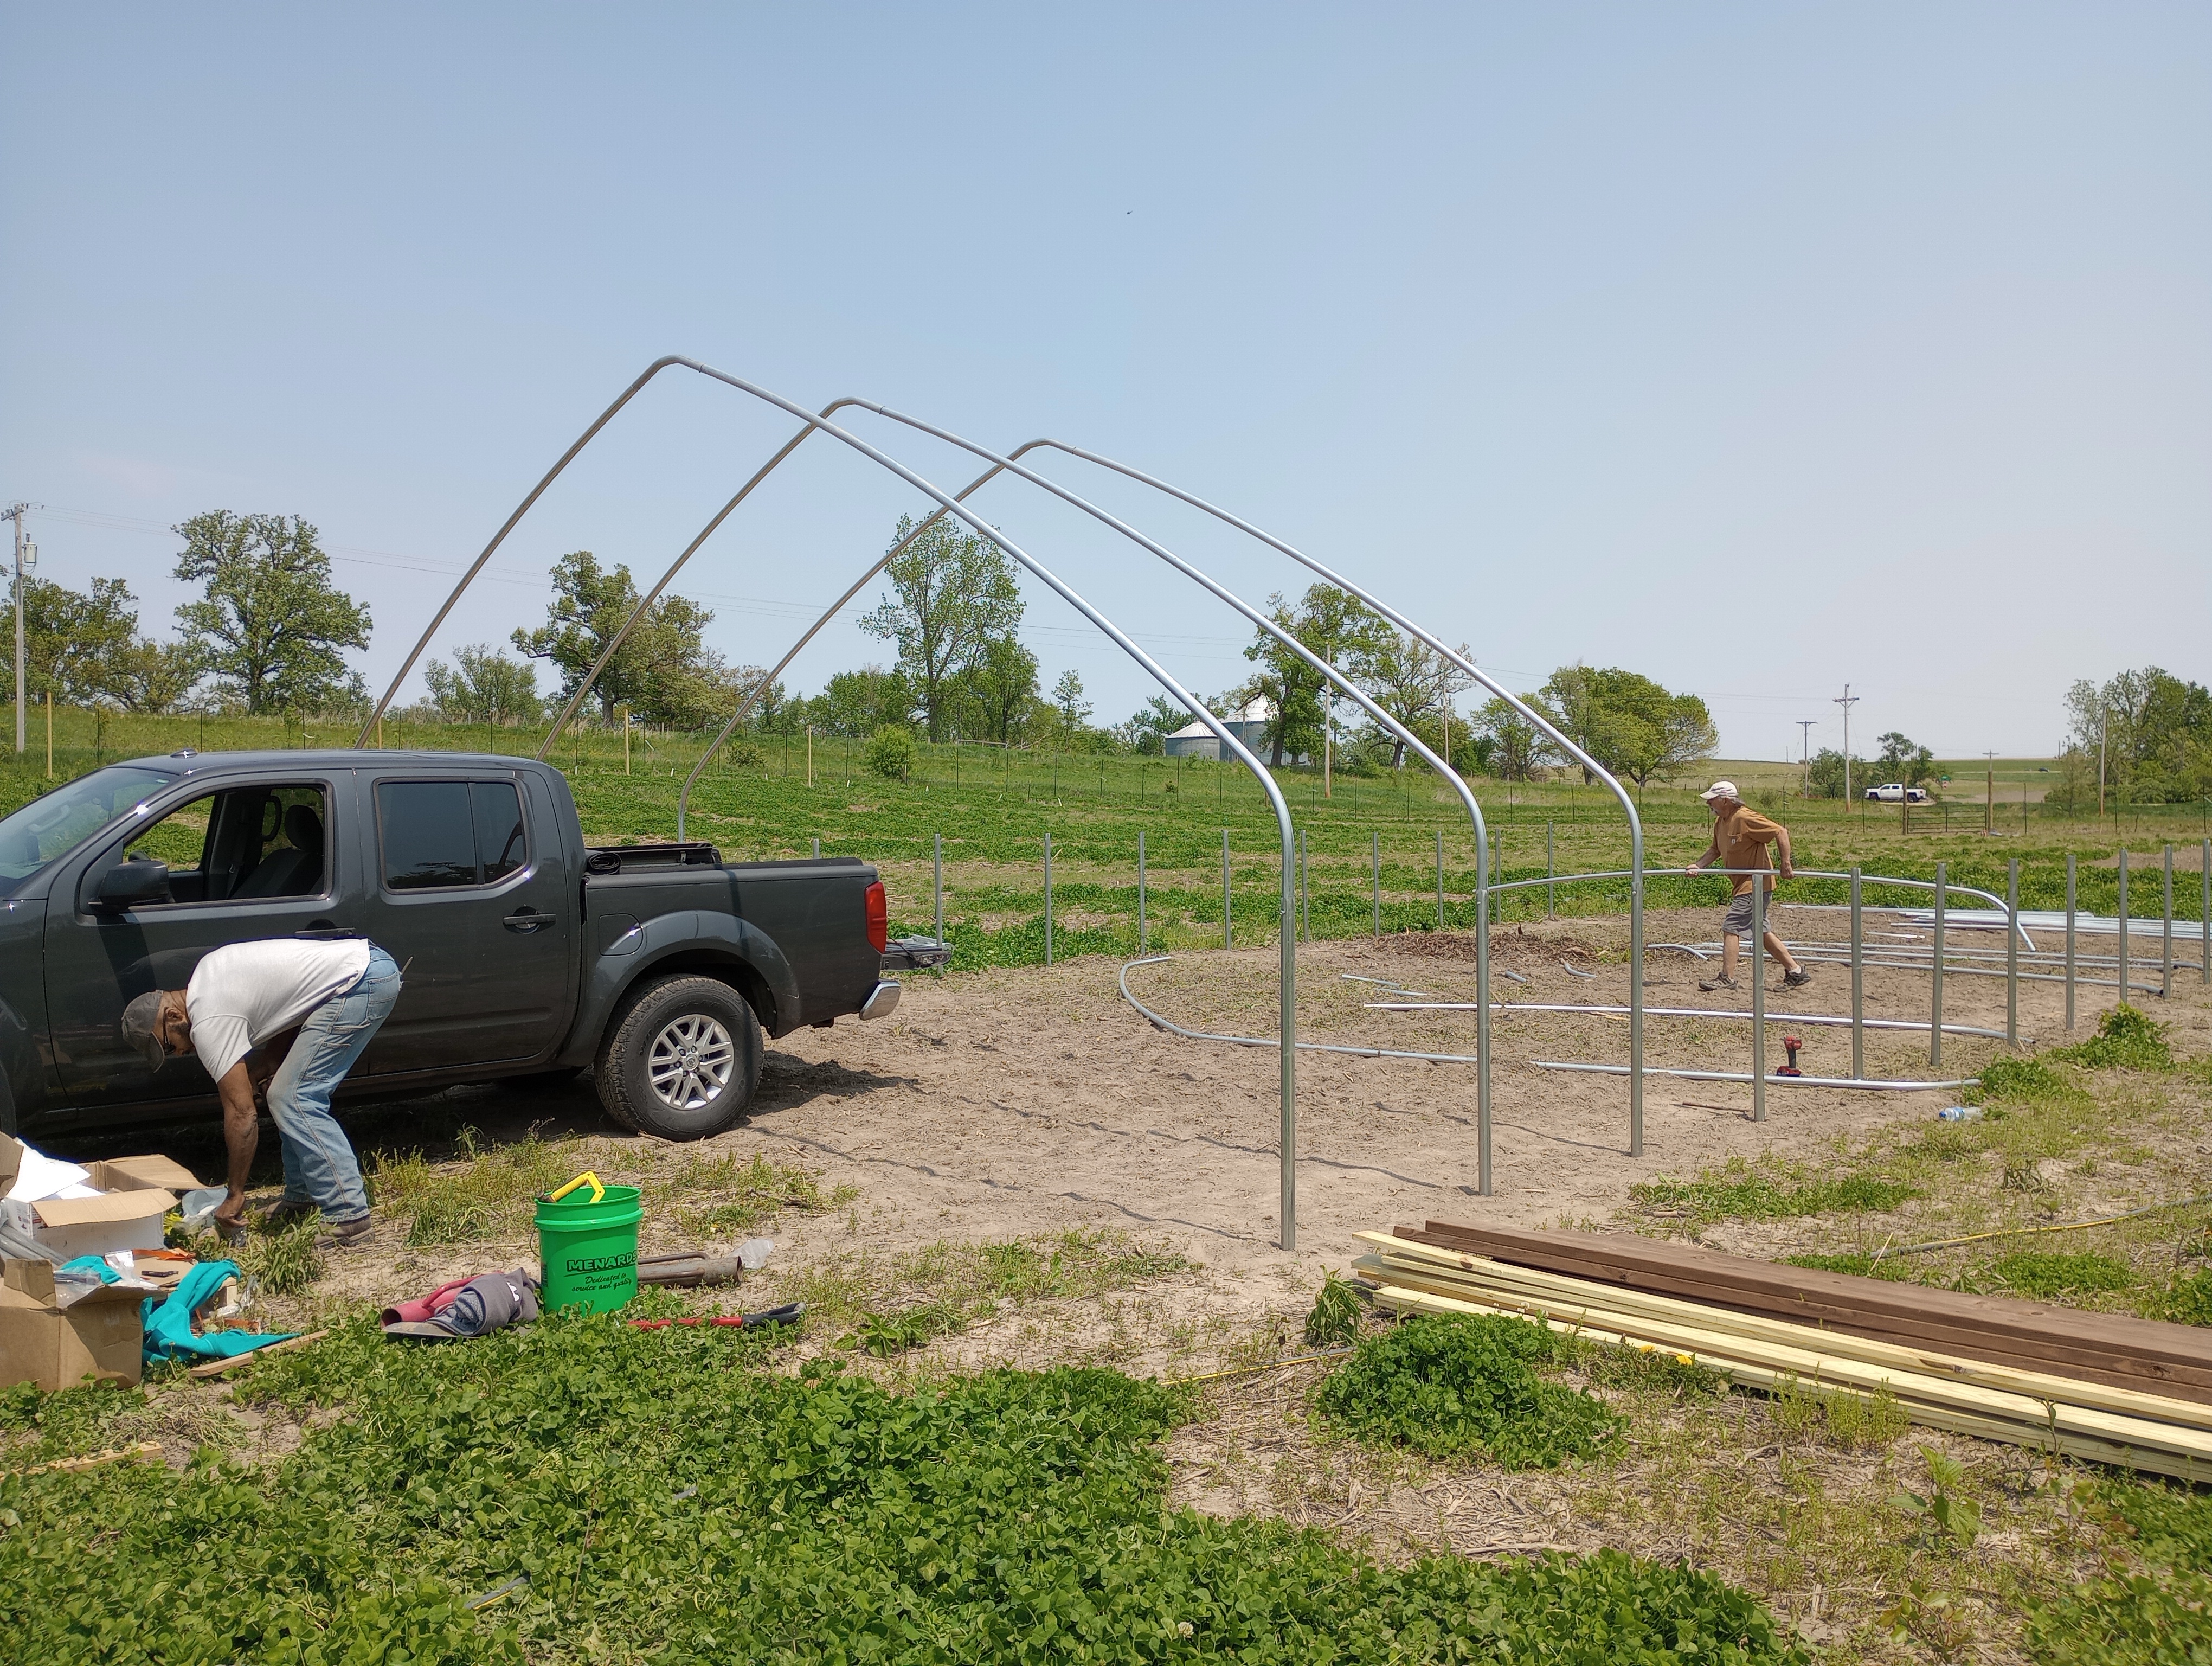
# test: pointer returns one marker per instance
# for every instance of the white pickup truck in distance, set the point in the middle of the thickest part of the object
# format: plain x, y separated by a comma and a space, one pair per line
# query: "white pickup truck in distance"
1897, 794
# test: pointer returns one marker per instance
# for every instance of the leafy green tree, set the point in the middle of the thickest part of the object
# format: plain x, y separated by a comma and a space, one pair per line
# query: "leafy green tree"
856, 703
72, 642
890, 753
996, 689
1904, 762
953, 593
271, 626
1328, 623
1408, 679
1517, 747
483, 685
664, 671
2155, 731
1067, 699
153, 676
1149, 726
1824, 774
1627, 723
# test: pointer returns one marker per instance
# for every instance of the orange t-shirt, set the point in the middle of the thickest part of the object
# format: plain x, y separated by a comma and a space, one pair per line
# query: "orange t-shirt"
1741, 840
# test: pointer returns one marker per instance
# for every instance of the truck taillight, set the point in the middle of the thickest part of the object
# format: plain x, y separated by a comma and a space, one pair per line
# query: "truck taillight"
879, 917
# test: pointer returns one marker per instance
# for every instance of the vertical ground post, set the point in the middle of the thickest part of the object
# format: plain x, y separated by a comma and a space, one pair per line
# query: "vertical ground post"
2204, 915
1758, 997
936, 886
1440, 878
2166, 931
1305, 902
1048, 899
1228, 923
1375, 833
1936, 997
1141, 938
818, 847
2012, 952
1550, 891
2070, 939
1484, 1183
1858, 984
2124, 925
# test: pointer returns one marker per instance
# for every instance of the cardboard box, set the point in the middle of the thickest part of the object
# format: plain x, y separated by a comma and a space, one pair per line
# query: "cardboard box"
98, 1335
135, 1194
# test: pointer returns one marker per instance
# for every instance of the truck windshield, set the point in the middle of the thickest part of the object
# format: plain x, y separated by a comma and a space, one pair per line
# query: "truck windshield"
65, 818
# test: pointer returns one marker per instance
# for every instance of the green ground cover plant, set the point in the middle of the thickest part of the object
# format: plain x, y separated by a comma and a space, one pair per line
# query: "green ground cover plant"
1447, 1385
2153, 1606
2058, 1272
2187, 1300
661, 1495
1768, 1190
2126, 1039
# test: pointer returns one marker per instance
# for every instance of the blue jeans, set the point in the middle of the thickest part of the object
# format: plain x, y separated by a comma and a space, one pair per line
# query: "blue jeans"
319, 1162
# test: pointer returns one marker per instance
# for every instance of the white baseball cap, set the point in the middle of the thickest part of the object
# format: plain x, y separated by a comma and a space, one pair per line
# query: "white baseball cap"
1721, 789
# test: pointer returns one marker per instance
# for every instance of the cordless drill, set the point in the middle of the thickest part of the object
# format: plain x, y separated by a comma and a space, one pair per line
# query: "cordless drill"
1790, 1044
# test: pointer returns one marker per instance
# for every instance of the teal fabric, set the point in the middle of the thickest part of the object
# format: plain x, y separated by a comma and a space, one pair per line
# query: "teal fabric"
168, 1320
93, 1264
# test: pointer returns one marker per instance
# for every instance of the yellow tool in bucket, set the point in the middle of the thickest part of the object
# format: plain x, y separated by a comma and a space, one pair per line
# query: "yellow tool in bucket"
588, 1244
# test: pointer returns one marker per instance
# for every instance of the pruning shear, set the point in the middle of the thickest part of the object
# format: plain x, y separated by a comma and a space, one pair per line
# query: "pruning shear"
789, 1314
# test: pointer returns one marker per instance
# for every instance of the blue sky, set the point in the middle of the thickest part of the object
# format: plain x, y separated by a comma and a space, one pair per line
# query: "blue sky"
1758, 349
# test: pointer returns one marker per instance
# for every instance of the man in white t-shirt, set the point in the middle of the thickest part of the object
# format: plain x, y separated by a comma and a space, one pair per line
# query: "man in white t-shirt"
290, 1014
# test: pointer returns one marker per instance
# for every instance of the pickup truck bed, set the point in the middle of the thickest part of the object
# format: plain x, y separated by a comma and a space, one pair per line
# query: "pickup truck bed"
523, 951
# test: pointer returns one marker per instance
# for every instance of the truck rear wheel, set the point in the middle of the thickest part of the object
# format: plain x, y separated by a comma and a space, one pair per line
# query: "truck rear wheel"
683, 1060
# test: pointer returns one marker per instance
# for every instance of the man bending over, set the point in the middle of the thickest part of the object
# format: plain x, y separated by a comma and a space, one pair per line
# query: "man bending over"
310, 1008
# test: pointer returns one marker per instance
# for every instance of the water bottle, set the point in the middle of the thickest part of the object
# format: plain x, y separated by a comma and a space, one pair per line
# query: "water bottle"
1959, 1114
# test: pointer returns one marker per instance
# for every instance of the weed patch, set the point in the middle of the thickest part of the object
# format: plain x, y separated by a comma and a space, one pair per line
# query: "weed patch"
1767, 1191
654, 1494
2156, 1612
2037, 1273
2019, 1079
1450, 1384
1861, 1262
2187, 1300
1334, 1320
2126, 1039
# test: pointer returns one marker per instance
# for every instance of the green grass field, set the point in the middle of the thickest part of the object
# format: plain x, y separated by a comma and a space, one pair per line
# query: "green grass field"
994, 809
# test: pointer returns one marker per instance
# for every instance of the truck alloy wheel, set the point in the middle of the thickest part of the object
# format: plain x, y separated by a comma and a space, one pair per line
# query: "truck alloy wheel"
681, 1059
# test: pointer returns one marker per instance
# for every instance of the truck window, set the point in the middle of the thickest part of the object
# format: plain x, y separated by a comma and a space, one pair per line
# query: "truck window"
240, 844
437, 834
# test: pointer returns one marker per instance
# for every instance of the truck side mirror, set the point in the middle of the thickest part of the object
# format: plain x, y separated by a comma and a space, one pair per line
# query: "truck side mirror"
133, 885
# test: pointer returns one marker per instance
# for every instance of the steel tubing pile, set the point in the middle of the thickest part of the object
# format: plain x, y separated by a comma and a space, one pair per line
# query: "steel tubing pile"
2013, 1378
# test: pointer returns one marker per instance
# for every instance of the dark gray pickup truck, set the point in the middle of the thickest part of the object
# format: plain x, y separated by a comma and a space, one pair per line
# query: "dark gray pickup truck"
524, 951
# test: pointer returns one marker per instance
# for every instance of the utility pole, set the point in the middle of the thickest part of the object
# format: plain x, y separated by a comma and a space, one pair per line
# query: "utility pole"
1805, 752
1847, 699
26, 558
1990, 796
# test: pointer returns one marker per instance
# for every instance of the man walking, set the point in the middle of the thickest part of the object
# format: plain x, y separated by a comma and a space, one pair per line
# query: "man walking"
1740, 835
309, 1008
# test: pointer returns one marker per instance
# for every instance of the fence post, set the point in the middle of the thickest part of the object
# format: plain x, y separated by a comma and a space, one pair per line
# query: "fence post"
2204, 916
1858, 984
1048, 899
818, 847
2012, 952
1550, 891
1758, 997
1482, 1019
2124, 925
1376, 835
1228, 925
2165, 940
1935, 1013
1440, 878
1142, 940
1305, 910
2070, 939
938, 887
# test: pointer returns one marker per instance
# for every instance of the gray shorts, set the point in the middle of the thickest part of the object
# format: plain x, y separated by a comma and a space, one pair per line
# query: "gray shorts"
1738, 917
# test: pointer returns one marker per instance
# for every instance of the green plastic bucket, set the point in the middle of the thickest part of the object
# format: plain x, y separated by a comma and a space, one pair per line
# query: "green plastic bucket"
587, 1242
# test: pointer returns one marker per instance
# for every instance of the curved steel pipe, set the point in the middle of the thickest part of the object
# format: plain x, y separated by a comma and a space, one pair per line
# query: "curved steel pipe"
1010, 464
499, 537
1261, 1040
1534, 716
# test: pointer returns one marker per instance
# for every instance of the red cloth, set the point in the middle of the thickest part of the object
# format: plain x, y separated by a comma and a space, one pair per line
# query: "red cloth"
416, 1312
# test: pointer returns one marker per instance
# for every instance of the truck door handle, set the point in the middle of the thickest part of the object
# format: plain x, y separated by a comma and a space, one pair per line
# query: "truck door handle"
527, 921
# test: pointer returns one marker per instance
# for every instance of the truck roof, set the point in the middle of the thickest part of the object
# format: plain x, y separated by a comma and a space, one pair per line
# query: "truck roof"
187, 761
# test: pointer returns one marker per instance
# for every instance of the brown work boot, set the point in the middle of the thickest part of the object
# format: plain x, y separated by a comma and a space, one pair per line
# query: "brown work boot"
352, 1234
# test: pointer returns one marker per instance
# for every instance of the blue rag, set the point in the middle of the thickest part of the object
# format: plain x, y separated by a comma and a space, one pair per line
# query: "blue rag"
168, 1320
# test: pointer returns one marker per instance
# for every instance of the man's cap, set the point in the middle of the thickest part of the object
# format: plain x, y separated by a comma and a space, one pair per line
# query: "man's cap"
489, 1302
142, 1027
1721, 789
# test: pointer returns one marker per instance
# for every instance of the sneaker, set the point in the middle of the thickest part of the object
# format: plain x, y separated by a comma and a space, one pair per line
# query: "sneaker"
1712, 984
1797, 980
347, 1234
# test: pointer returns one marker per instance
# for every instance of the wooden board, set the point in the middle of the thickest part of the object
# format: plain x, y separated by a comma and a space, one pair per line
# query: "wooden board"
2141, 1353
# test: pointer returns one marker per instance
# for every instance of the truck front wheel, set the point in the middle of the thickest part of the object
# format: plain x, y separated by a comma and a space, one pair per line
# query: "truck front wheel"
683, 1060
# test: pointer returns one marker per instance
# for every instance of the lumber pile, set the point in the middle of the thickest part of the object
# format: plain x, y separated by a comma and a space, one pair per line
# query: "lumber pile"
2007, 1371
